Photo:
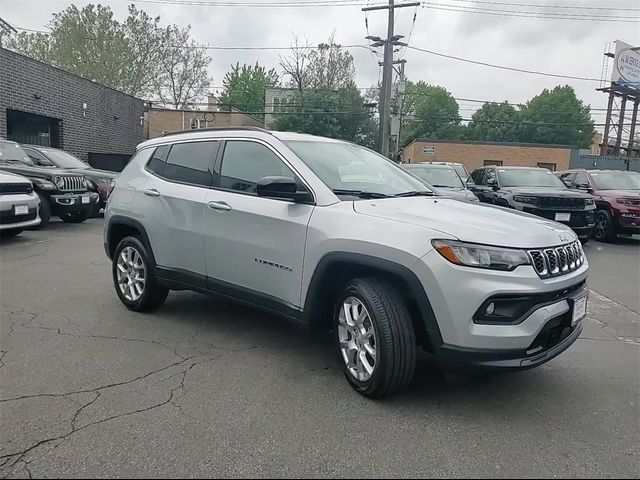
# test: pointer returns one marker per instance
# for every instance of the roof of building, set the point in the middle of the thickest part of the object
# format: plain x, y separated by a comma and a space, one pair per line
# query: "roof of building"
498, 144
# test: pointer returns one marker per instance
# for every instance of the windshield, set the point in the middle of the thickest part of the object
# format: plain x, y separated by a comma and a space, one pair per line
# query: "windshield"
461, 171
616, 181
438, 177
345, 167
12, 152
63, 159
529, 178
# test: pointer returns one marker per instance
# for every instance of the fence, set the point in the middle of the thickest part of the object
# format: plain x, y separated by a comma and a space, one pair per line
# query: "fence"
593, 162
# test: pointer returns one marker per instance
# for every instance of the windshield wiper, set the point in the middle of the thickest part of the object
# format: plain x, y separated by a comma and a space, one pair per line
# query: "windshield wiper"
415, 193
360, 193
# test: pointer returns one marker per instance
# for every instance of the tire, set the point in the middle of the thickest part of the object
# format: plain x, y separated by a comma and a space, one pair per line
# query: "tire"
11, 232
95, 210
76, 217
153, 294
394, 343
604, 230
45, 212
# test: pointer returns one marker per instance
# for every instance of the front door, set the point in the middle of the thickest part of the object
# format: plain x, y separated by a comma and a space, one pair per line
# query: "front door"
254, 245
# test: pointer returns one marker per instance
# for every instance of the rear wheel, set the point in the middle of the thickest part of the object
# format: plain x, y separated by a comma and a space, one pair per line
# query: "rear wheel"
375, 337
75, 217
133, 279
604, 230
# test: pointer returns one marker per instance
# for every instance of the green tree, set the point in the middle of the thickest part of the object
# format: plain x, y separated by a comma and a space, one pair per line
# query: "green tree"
557, 117
431, 111
136, 56
338, 114
91, 43
244, 87
493, 122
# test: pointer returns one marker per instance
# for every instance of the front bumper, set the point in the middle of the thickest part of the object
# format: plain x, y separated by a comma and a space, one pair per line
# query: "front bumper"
627, 220
73, 202
8, 217
456, 294
582, 221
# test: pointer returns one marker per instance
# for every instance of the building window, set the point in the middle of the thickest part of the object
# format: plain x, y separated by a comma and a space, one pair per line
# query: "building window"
497, 163
549, 166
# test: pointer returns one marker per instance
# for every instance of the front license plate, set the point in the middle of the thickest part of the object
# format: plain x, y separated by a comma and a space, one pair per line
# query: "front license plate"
563, 217
86, 199
22, 210
579, 310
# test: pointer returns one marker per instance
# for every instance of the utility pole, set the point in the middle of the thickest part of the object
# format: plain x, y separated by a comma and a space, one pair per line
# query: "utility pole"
387, 72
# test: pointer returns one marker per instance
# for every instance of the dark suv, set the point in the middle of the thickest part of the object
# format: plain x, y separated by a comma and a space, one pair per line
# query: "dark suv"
62, 193
617, 195
54, 158
537, 191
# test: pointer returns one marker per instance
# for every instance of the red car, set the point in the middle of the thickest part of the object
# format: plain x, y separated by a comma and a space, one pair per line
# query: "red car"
617, 195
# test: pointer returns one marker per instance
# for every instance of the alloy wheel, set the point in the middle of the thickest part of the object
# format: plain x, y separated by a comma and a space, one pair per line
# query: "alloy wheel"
601, 226
132, 274
357, 338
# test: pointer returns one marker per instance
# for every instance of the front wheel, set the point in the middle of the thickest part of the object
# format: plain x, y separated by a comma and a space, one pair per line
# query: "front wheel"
133, 278
604, 230
75, 217
375, 337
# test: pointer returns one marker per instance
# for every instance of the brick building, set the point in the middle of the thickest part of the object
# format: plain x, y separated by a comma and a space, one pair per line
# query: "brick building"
44, 105
477, 154
163, 120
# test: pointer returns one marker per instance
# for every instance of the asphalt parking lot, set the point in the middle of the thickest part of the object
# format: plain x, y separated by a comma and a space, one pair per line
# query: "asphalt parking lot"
206, 388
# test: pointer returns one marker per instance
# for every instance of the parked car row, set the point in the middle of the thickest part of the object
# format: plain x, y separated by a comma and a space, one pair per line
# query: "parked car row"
41, 182
594, 203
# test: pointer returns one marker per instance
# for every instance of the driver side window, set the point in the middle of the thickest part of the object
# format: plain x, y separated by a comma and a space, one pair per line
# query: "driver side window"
37, 158
244, 163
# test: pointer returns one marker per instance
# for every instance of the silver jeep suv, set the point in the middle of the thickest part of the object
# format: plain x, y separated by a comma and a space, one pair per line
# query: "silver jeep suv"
335, 236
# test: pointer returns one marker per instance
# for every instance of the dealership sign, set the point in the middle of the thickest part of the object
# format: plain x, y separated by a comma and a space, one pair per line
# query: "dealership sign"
626, 68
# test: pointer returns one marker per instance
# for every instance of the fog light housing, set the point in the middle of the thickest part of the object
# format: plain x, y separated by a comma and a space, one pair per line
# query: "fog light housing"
491, 308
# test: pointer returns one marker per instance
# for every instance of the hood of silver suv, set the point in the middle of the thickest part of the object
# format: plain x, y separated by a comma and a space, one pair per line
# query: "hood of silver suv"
471, 222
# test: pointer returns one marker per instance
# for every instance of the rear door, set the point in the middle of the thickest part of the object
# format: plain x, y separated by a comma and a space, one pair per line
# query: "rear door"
254, 245
174, 203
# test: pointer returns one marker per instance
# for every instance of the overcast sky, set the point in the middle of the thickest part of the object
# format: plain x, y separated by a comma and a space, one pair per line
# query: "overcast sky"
568, 47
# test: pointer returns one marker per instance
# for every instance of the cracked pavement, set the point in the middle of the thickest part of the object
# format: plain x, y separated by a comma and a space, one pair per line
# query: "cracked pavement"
207, 388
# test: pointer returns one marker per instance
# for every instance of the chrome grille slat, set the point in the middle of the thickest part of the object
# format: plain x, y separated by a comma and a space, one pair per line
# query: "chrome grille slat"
72, 183
553, 262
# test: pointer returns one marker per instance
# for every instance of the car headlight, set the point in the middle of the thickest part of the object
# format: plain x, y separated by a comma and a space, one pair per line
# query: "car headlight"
626, 201
44, 184
525, 199
589, 202
58, 181
481, 256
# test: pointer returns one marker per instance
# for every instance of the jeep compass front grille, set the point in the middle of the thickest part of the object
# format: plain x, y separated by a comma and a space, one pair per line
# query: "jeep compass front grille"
553, 262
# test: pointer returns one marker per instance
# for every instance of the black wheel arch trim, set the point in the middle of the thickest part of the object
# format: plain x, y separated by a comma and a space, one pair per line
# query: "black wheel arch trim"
128, 222
314, 295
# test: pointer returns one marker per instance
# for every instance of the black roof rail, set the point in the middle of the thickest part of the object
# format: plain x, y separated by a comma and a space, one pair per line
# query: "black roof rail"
218, 129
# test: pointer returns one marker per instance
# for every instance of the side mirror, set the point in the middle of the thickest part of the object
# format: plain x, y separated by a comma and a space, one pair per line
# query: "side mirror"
470, 184
282, 187
493, 184
582, 186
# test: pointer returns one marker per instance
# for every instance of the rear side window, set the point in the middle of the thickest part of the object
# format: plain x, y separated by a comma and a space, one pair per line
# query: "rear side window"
477, 176
245, 163
156, 164
191, 163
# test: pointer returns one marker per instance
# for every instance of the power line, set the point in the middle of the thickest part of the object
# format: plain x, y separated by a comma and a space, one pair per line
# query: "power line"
503, 67
528, 14
543, 6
